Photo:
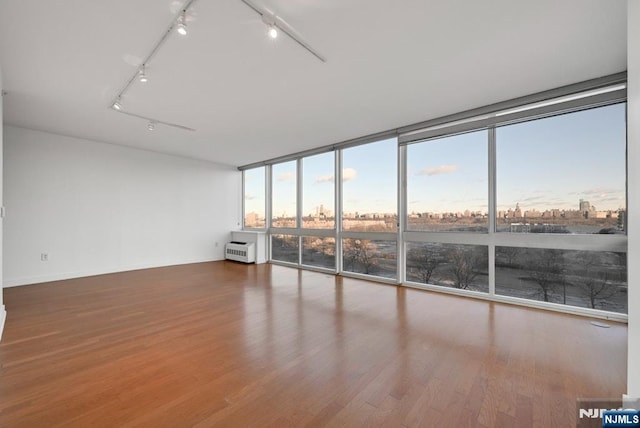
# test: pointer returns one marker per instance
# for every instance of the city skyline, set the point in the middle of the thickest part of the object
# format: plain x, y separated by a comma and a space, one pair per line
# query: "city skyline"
525, 212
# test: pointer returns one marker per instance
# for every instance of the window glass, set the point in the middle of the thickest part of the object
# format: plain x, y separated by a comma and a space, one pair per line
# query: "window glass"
254, 199
283, 197
589, 279
284, 248
319, 252
447, 184
369, 189
318, 191
371, 257
563, 174
464, 267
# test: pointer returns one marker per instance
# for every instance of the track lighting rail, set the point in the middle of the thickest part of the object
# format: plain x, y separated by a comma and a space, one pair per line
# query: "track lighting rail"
179, 23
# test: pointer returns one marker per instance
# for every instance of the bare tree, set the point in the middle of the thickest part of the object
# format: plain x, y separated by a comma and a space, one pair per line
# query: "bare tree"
511, 253
426, 260
546, 270
463, 266
360, 253
594, 282
597, 288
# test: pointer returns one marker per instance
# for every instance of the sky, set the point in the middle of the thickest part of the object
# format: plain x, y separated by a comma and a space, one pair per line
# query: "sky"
555, 162
541, 164
448, 174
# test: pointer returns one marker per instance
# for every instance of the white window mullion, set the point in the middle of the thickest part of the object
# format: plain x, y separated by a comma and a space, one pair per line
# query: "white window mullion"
299, 197
492, 210
267, 210
402, 213
338, 209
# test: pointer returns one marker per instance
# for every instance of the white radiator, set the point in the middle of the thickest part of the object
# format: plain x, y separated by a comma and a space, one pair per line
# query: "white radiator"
240, 251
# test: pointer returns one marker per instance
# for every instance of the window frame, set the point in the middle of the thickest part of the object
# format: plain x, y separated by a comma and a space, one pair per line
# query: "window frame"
594, 93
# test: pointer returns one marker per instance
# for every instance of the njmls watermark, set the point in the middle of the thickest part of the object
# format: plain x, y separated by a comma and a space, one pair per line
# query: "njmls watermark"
605, 413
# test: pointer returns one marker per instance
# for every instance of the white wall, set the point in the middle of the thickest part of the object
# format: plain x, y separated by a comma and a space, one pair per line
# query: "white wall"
3, 313
97, 208
633, 160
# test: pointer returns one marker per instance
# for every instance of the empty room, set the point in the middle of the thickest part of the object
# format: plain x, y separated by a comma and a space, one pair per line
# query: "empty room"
319, 213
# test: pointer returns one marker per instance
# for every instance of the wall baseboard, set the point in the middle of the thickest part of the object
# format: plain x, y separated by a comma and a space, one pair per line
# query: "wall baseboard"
16, 282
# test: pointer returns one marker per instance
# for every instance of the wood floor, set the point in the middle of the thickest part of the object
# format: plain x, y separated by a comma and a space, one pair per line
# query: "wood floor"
225, 344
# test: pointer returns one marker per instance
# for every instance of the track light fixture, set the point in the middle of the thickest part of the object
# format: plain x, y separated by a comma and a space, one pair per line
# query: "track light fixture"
275, 24
182, 24
272, 32
270, 21
116, 104
151, 126
143, 75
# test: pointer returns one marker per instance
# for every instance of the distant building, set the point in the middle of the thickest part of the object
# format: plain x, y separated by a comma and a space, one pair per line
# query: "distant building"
586, 209
518, 212
251, 219
532, 213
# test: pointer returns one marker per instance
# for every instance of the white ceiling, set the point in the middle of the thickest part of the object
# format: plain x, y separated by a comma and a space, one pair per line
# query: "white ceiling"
249, 98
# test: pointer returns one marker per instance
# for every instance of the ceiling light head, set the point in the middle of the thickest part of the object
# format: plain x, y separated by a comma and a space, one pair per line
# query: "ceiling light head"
182, 25
269, 20
272, 31
151, 126
143, 76
116, 104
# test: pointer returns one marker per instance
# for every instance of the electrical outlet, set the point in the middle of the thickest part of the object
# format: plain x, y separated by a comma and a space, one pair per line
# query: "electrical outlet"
44, 257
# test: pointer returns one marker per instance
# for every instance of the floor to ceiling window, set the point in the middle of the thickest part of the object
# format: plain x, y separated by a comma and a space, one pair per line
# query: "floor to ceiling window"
318, 243
563, 175
537, 203
284, 203
369, 209
526, 205
447, 191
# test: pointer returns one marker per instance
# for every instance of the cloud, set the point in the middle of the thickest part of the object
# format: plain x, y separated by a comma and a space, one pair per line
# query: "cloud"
442, 169
325, 179
533, 198
598, 191
286, 176
249, 196
347, 175
611, 199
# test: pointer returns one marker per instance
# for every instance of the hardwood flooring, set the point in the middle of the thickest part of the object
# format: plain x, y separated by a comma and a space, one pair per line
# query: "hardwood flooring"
226, 344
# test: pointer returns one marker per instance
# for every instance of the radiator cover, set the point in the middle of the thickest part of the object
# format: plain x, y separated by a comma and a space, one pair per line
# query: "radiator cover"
240, 251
